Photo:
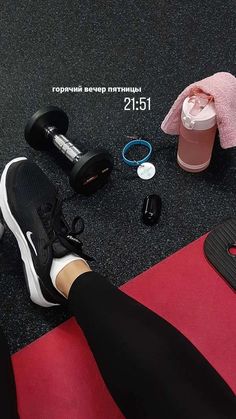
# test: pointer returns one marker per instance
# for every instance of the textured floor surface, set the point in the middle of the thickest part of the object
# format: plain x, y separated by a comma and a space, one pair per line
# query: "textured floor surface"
159, 46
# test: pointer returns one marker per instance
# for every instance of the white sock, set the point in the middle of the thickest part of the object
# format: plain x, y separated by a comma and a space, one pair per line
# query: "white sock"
59, 263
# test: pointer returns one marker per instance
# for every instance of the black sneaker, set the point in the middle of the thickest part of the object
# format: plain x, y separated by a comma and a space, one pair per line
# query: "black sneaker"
2, 229
33, 212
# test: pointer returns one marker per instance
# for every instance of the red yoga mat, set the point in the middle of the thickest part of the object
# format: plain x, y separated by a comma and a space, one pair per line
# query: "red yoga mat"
57, 376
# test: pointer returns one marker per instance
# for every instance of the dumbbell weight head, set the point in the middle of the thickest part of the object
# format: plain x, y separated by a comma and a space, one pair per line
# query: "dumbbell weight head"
35, 130
91, 172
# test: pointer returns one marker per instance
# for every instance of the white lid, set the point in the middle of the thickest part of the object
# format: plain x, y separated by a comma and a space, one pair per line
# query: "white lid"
205, 119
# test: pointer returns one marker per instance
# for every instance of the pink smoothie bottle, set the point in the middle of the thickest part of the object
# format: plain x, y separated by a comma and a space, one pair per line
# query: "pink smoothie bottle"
197, 132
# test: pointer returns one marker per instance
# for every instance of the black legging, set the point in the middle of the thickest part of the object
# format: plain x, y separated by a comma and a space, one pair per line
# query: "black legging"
150, 369
8, 404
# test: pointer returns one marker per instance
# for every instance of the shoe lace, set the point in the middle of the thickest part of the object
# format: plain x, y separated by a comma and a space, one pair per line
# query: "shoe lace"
58, 229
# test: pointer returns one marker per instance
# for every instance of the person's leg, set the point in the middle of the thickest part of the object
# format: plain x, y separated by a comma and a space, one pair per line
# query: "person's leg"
151, 369
8, 401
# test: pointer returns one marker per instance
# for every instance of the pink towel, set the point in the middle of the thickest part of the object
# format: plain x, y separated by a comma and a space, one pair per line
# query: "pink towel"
222, 86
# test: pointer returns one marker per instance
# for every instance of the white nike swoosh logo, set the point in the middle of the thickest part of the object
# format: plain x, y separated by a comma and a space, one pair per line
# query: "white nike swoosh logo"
28, 235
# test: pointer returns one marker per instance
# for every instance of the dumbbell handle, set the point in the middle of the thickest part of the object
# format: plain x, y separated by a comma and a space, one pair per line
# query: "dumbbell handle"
64, 145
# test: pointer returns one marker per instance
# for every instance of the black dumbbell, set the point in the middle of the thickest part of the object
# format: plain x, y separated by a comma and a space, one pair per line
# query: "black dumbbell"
91, 170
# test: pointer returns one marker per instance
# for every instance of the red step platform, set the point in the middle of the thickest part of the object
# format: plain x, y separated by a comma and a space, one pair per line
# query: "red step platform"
57, 376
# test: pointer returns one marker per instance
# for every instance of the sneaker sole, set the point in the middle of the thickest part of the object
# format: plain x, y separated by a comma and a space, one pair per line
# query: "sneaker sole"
31, 276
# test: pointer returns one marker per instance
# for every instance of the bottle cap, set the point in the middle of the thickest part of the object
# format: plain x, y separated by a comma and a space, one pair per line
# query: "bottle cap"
198, 114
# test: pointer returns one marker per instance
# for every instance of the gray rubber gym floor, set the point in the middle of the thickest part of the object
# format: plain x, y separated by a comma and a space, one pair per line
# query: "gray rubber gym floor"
160, 46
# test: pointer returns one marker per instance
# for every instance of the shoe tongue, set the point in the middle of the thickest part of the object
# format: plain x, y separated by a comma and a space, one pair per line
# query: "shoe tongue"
60, 246
63, 242
64, 245
59, 250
